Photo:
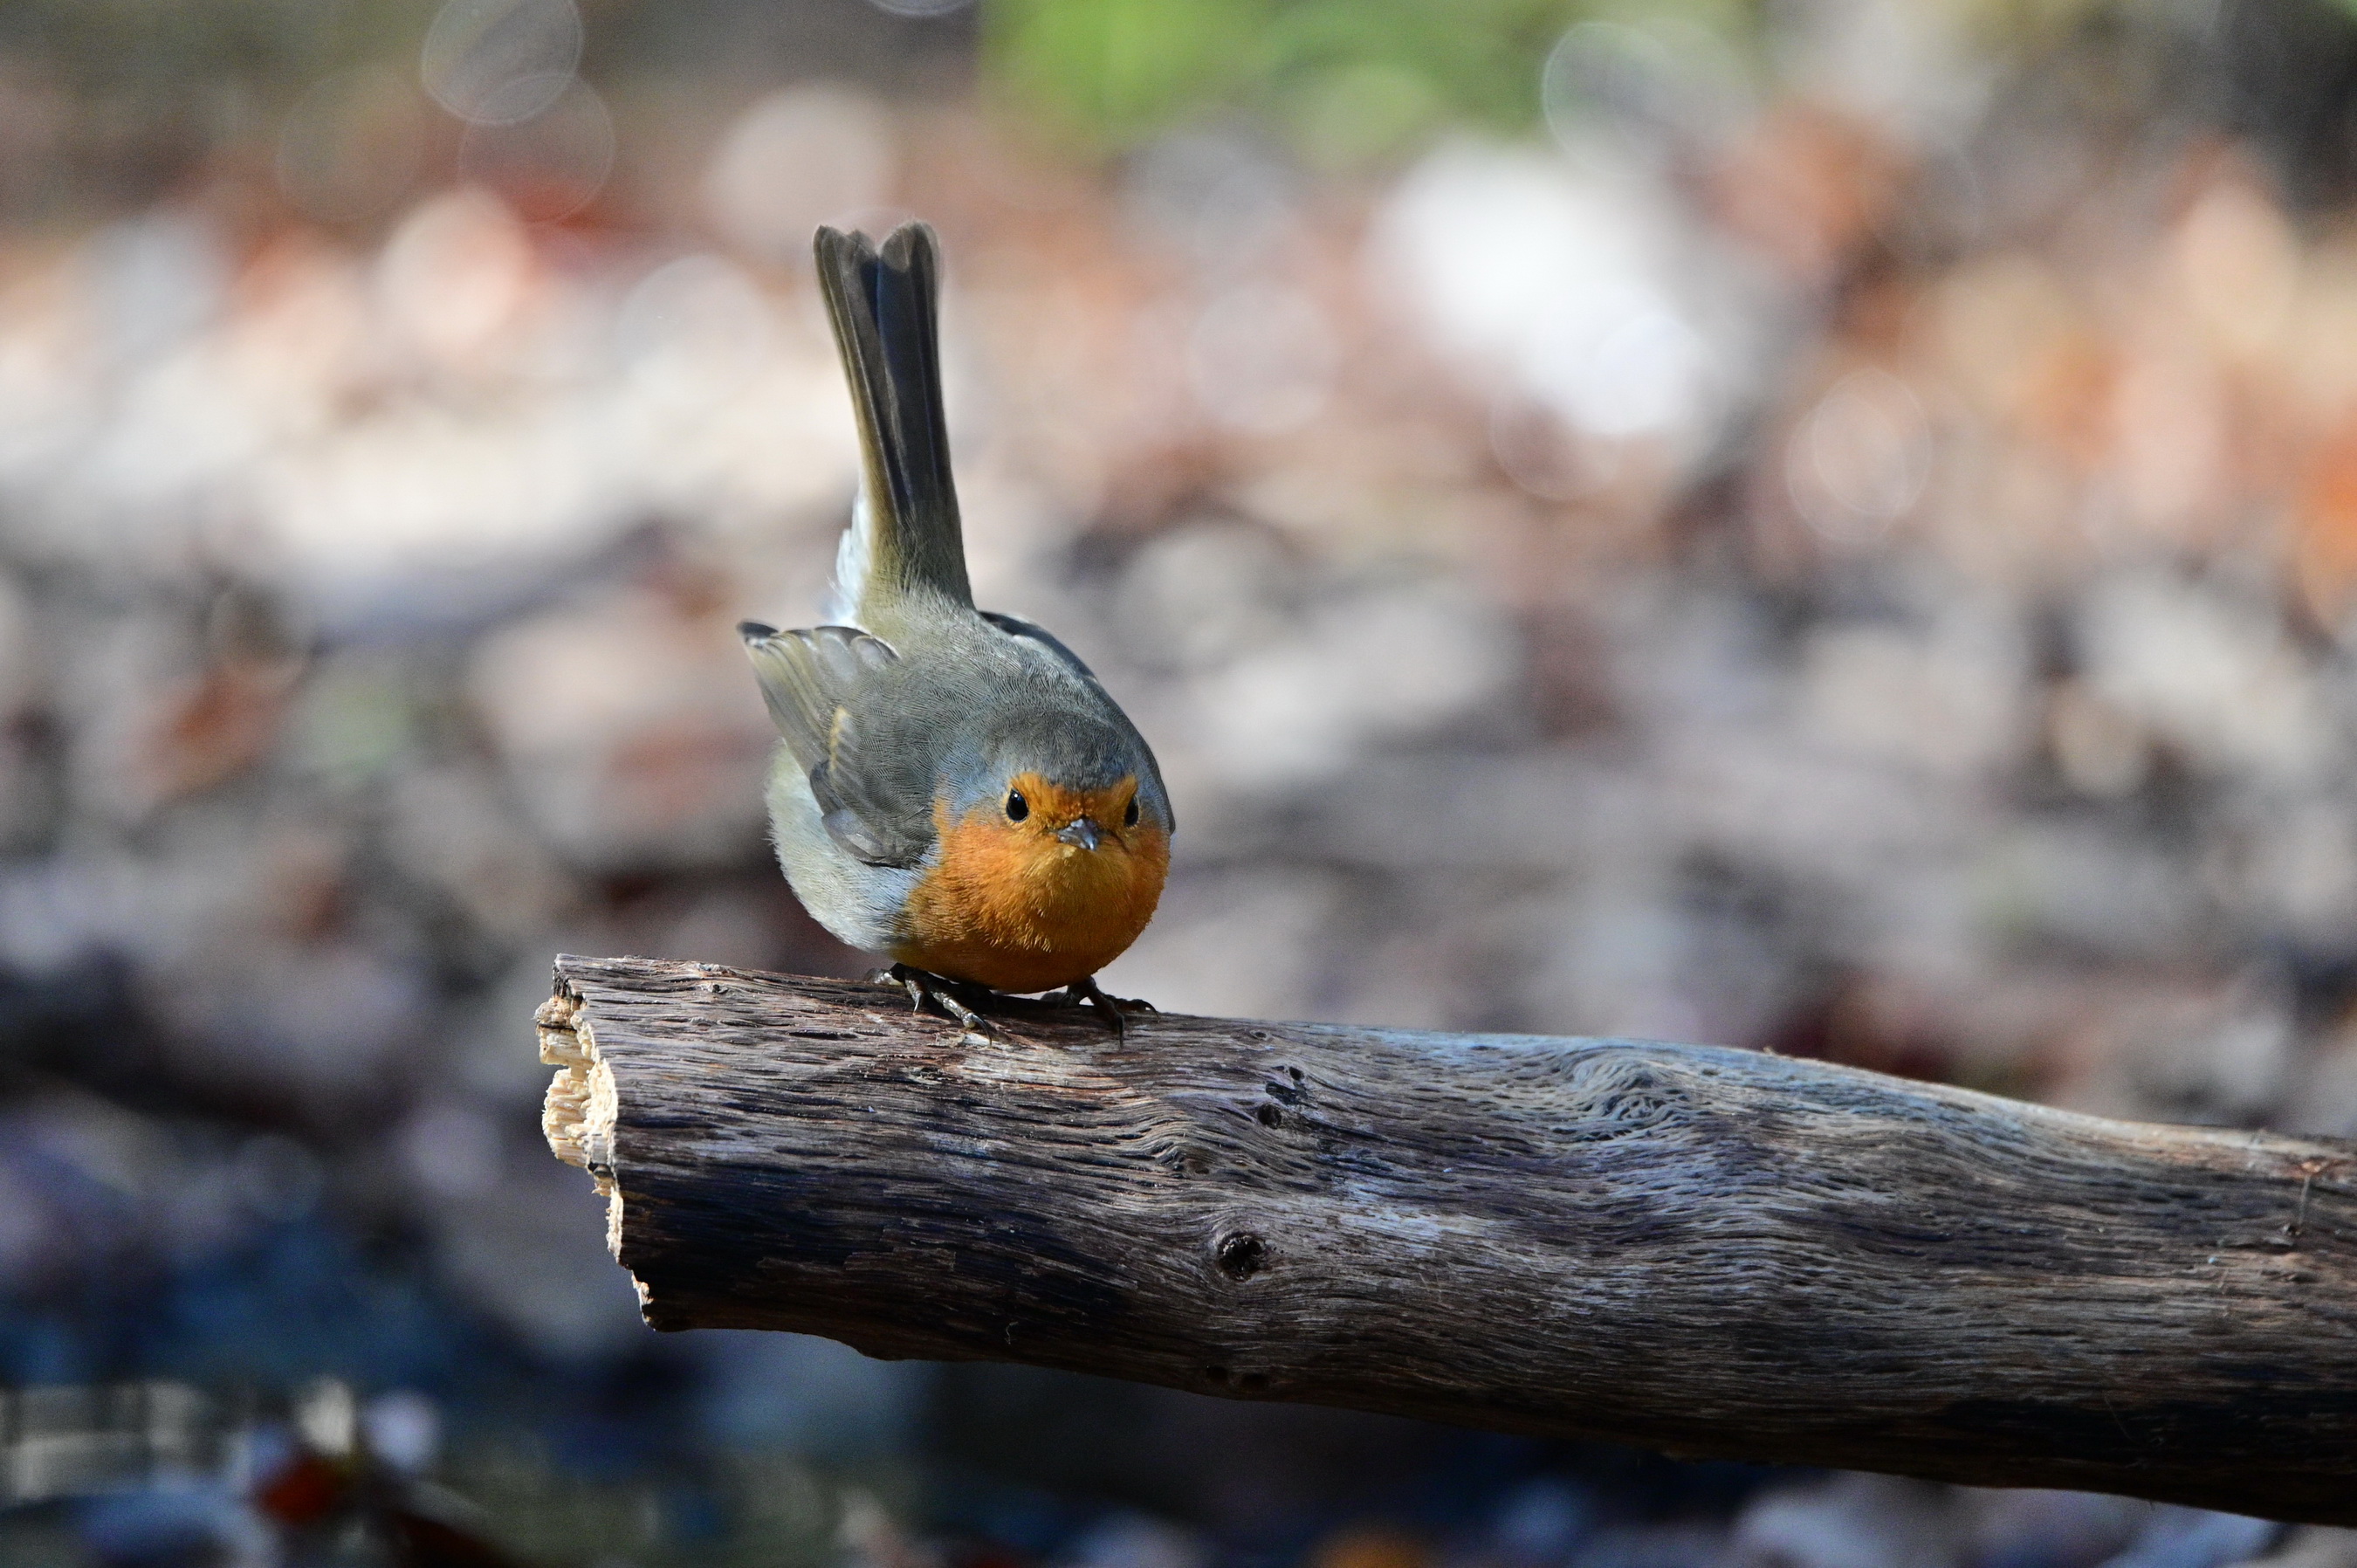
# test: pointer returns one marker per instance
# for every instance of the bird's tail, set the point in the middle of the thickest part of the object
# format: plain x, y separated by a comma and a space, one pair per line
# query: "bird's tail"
904, 539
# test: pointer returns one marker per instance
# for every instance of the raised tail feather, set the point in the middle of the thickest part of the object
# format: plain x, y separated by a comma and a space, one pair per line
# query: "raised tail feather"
904, 536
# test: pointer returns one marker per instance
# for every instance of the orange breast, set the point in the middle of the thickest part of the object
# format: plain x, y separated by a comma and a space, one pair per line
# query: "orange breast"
1013, 907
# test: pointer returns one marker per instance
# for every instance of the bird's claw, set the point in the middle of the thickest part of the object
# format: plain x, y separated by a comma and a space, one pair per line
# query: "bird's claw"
1085, 993
924, 986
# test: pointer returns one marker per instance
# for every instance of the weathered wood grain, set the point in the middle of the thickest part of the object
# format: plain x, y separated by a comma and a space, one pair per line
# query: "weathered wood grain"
1706, 1251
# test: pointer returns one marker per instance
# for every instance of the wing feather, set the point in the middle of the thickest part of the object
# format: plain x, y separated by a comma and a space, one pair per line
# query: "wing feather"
812, 680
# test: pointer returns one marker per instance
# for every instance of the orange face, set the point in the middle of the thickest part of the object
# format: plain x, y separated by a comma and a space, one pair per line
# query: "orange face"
1039, 888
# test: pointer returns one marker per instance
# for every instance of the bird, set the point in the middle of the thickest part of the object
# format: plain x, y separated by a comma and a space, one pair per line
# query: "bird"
952, 789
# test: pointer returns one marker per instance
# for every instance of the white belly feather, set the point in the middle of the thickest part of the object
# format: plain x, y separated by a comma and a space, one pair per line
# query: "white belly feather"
858, 902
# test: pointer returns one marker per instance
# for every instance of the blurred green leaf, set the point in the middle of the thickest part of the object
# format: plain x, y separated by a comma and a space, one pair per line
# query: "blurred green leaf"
1348, 79
1116, 69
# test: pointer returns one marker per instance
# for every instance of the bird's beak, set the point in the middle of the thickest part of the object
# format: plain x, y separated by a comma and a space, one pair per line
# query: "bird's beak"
1082, 833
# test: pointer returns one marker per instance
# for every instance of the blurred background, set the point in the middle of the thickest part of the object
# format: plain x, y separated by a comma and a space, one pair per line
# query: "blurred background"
1828, 524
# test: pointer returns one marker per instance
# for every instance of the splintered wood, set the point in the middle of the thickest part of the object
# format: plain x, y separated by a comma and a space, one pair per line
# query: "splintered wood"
1707, 1252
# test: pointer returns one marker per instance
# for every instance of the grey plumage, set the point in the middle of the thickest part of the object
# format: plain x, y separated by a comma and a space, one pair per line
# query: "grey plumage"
880, 737
925, 705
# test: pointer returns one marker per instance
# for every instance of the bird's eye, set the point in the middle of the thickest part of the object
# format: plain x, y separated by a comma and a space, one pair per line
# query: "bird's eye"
1018, 808
1129, 817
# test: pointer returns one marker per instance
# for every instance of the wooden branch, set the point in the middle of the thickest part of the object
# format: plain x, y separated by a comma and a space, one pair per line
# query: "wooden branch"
1701, 1251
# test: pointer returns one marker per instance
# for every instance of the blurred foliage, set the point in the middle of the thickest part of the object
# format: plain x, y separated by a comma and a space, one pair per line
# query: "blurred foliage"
174, 45
754, 1509
1348, 79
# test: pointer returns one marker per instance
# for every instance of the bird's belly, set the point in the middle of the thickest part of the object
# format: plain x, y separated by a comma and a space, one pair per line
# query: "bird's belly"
1024, 919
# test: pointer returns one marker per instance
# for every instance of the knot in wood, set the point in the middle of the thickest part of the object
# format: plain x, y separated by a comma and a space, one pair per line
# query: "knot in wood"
1240, 1254
1617, 1094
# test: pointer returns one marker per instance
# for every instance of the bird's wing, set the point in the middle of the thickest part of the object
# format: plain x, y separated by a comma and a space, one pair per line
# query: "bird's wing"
879, 812
1031, 631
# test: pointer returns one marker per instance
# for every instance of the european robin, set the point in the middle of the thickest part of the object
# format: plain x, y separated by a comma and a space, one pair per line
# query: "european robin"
954, 788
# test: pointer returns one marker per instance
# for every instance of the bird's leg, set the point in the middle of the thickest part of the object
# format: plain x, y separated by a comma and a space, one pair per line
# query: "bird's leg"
1109, 1008
923, 986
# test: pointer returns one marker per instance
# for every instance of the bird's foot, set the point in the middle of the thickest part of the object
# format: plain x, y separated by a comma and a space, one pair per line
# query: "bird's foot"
1085, 993
923, 986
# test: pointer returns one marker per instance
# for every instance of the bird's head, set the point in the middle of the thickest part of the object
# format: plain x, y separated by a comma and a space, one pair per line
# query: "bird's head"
1066, 787
1055, 840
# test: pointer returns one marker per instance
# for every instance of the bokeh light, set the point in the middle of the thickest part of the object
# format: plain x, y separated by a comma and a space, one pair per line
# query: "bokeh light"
498, 61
